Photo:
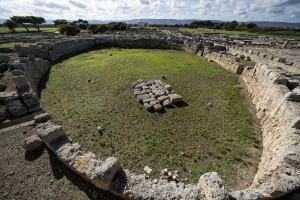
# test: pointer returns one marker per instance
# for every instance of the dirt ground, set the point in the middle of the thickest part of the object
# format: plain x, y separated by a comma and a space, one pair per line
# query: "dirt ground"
38, 174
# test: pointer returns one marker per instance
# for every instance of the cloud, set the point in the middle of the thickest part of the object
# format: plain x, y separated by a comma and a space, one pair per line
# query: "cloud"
175, 5
145, 2
51, 5
275, 9
79, 5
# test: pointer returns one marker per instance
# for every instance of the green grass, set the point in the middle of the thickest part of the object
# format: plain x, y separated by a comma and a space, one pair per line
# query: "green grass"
23, 44
23, 30
285, 34
189, 136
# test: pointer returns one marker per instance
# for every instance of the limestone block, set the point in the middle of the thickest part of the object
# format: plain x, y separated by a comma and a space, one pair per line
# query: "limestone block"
157, 107
51, 133
17, 72
142, 97
105, 173
212, 186
147, 106
42, 118
148, 100
168, 87
136, 93
175, 98
30, 99
167, 103
140, 85
21, 82
247, 194
32, 143
15, 106
162, 98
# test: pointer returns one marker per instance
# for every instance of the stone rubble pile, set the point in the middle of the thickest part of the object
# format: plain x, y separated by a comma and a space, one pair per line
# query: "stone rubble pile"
155, 94
168, 175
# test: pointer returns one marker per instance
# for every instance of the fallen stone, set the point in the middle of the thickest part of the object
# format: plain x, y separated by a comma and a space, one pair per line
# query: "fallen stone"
162, 98
157, 107
175, 98
21, 82
136, 93
30, 99
167, 103
140, 85
213, 186
42, 118
148, 100
142, 97
147, 106
51, 133
32, 143
15, 106
168, 87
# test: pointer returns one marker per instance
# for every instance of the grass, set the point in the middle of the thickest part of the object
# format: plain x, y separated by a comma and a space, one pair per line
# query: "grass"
23, 30
23, 44
285, 34
189, 136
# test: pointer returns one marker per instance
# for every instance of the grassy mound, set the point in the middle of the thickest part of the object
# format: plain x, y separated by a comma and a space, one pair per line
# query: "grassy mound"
93, 89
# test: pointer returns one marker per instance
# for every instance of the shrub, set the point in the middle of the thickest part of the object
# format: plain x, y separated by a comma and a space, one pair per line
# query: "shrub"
69, 30
93, 27
82, 26
101, 28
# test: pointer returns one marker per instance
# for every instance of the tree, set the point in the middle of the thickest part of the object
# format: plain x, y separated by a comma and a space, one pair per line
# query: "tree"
82, 27
251, 26
22, 20
101, 28
69, 30
37, 21
58, 22
93, 27
11, 25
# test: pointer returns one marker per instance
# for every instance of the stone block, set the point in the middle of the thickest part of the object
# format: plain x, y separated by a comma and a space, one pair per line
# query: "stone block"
147, 106
148, 100
175, 98
168, 87
167, 103
213, 186
51, 133
142, 97
21, 82
140, 85
105, 173
157, 107
42, 118
30, 99
32, 143
15, 106
161, 99
136, 93
2, 113
17, 72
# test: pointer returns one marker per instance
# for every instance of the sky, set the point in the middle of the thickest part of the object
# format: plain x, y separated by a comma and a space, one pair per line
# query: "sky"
225, 10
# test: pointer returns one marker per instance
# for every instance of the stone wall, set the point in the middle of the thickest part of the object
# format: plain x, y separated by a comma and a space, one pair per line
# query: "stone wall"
276, 98
279, 110
27, 73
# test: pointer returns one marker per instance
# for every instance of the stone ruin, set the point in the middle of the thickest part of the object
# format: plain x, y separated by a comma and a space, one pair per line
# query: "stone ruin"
273, 85
155, 94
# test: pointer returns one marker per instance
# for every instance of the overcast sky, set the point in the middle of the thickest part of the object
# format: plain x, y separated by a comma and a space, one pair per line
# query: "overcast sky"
226, 10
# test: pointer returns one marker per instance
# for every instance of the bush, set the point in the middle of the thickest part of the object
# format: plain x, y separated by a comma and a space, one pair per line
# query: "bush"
101, 28
82, 26
69, 30
93, 27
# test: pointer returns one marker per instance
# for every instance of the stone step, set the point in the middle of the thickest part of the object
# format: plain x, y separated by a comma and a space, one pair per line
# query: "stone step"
6, 95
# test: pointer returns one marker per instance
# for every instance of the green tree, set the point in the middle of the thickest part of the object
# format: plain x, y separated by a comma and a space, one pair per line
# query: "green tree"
37, 21
251, 26
82, 27
101, 28
11, 25
93, 27
60, 21
68, 30
22, 20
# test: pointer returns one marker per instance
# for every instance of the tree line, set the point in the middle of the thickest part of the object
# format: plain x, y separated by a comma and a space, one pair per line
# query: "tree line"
15, 21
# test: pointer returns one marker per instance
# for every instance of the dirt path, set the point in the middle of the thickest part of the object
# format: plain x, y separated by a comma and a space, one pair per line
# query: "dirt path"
38, 174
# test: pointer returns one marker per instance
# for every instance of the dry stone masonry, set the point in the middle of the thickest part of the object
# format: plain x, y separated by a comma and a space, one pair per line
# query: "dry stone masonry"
155, 94
273, 85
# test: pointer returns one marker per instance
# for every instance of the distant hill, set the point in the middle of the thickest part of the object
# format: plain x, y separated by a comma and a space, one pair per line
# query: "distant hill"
183, 21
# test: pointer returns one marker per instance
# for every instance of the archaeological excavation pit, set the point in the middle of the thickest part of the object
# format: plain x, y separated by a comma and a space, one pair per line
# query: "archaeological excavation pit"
211, 130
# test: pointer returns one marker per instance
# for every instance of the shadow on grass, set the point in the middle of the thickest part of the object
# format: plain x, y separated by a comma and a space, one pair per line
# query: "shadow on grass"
60, 170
